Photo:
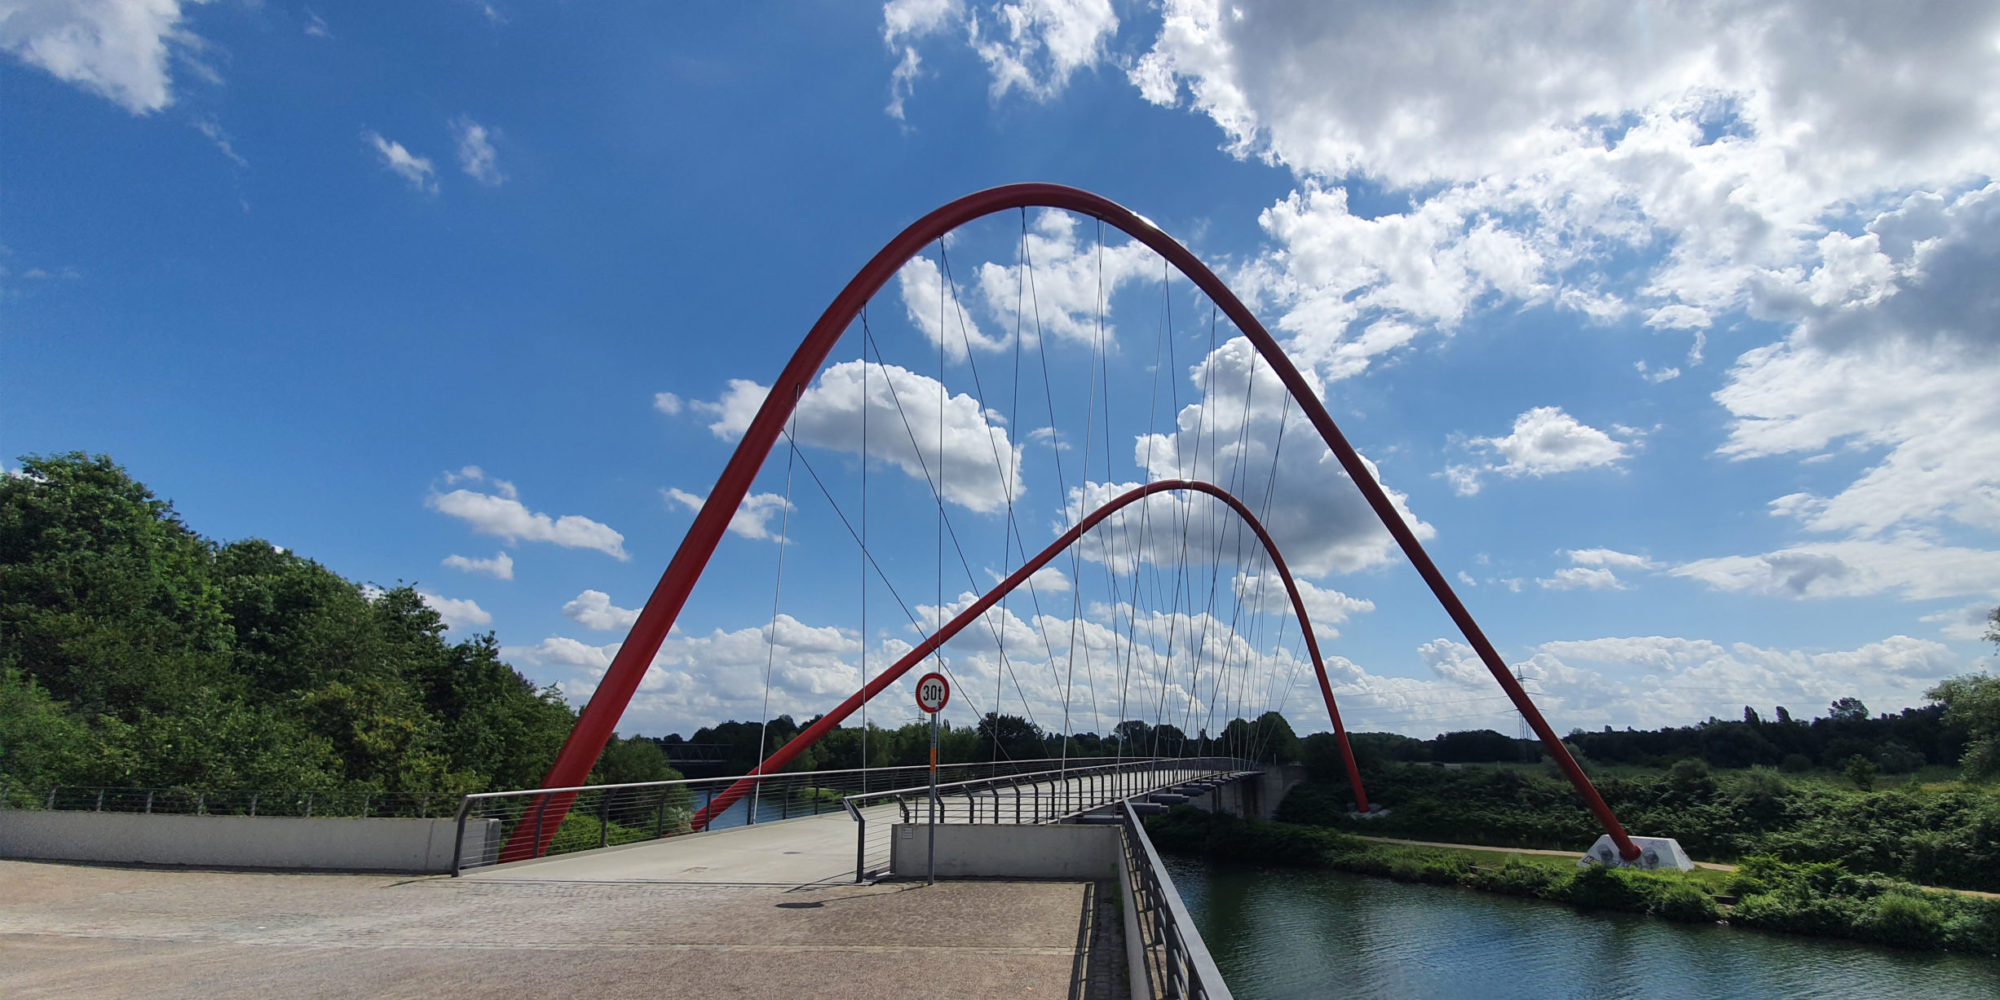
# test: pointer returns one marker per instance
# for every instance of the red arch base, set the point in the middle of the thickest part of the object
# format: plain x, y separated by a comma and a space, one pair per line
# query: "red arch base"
628, 667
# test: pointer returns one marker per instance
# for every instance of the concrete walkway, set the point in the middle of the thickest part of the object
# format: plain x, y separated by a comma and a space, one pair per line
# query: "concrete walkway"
764, 911
81, 932
813, 851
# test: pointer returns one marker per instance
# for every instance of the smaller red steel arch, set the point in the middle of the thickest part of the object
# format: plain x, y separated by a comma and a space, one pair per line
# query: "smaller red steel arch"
811, 734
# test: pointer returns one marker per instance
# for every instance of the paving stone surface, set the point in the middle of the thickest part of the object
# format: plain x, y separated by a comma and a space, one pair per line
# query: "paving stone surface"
87, 932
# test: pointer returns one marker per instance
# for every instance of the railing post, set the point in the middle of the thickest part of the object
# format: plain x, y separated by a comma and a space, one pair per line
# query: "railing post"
309, 804
200, 803
149, 803
541, 808
660, 818
603, 819
860, 845
457, 845
100, 803
52, 797
253, 802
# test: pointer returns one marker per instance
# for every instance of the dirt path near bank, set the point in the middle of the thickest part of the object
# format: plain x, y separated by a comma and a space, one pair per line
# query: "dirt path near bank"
1710, 865
1514, 850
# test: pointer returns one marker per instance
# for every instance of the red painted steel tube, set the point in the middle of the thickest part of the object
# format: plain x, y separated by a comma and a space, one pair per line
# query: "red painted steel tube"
628, 667
825, 723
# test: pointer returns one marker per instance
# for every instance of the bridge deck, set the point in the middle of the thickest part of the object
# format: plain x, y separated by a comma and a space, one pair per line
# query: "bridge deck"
763, 911
811, 851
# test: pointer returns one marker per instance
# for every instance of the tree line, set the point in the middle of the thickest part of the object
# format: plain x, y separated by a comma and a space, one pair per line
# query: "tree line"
996, 737
136, 653
1958, 727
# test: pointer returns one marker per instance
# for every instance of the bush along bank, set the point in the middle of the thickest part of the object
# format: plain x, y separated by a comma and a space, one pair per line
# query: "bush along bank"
1816, 899
1945, 835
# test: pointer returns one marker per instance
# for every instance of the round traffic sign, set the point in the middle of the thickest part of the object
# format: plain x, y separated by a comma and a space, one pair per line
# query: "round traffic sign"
932, 692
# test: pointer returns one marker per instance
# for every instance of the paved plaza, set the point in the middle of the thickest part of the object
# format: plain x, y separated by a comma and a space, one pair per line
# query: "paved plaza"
570, 929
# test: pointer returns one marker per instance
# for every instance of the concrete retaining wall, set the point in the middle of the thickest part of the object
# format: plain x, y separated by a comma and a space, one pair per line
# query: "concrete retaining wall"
282, 842
1079, 853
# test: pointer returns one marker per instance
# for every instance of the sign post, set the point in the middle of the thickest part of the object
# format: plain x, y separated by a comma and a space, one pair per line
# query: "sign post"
932, 693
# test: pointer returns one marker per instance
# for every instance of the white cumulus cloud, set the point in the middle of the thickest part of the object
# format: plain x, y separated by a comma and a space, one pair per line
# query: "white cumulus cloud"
593, 609
1544, 441
500, 566
121, 50
503, 514
413, 168
457, 613
476, 155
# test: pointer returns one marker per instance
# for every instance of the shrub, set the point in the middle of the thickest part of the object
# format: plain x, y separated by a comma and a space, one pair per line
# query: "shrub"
1904, 918
1861, 771
1795, 763
1519, 878
1598, 887
1679, 899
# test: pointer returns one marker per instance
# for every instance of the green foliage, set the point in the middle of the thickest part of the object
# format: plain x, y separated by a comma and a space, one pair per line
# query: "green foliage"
1668, 895
1014, 737
134, 652
1860, 771
1945, 835
1825, 899
1818, 898
1972, 706
632, 760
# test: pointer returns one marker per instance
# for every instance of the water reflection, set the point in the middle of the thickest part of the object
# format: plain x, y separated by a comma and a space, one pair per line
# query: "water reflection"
1279, 934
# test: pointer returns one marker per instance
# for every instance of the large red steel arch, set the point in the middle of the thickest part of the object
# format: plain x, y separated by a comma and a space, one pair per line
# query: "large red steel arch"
628, 667
972, 613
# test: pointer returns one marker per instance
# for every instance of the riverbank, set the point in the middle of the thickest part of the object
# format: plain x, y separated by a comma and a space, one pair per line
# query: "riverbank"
1943, 834
1817, 899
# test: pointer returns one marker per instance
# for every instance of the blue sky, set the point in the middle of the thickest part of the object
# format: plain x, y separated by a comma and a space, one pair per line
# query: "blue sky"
1674, 328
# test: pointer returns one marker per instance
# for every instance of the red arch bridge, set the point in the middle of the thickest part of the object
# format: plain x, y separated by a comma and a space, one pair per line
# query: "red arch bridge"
1144, 541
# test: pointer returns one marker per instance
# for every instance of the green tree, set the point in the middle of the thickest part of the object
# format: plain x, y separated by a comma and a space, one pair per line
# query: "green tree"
1849, 709
632, 760
41, 744
1010, 737
136, 652
1972, 705
1861, 771
105, 596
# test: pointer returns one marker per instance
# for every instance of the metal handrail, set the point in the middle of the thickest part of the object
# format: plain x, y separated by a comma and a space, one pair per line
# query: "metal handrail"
795, 775
1189, 969
656, 819
1127, 764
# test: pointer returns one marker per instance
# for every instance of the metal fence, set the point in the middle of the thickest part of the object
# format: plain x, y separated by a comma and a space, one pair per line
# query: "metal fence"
1177, 959
1035, 797
228, 802
592, 816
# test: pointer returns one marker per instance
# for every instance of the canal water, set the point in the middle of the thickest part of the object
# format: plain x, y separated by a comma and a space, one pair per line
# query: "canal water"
1279, 934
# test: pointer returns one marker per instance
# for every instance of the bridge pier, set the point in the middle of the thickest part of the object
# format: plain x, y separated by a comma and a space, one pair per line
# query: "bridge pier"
1252, 798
